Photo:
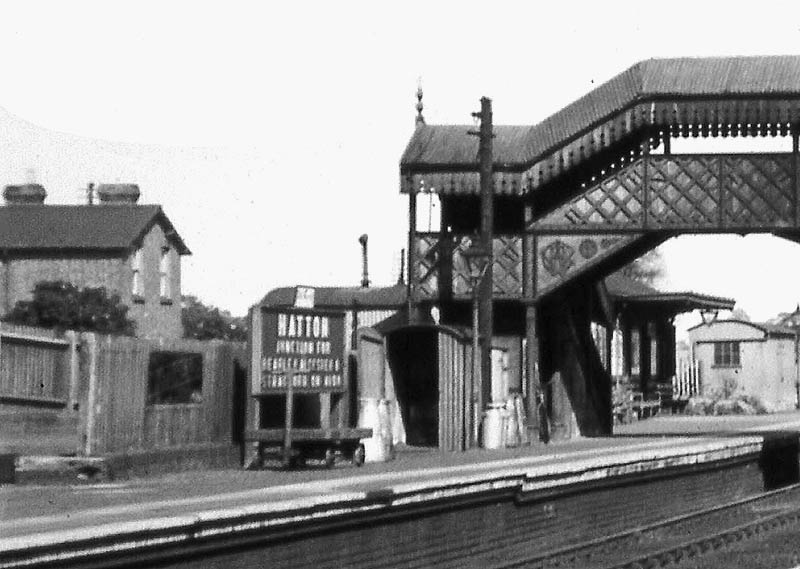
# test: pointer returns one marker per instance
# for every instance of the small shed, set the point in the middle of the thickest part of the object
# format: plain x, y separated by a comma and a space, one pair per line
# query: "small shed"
423, 371
747, 358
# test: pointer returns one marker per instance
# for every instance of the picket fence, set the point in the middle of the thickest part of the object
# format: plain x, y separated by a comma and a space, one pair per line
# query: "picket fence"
687, 380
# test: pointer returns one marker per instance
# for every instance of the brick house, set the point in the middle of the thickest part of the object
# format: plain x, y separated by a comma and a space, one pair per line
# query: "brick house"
130, 249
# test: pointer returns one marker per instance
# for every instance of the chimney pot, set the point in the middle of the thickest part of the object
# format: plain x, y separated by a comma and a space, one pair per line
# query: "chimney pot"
24, 194
116, 194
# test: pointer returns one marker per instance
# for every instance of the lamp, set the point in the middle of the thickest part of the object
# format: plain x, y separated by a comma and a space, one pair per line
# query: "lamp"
477, 262
709, 315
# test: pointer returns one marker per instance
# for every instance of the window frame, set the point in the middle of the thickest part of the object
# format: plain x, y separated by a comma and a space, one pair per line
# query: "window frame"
727, 354
165, 275
137, 280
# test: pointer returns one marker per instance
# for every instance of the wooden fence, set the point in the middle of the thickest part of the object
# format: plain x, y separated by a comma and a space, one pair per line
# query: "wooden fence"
102, 382
119, 418
38, 367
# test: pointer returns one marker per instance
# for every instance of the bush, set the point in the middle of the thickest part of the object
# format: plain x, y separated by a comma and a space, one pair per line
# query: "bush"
739, 405
62, 305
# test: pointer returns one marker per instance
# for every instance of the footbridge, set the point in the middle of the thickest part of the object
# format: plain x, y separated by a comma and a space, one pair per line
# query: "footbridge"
591, 188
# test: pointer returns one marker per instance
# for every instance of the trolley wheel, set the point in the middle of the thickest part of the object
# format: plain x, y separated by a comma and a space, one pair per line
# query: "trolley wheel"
330, 457
359, 455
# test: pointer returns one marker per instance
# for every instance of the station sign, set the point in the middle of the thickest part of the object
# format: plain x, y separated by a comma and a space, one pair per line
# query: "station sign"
305, 345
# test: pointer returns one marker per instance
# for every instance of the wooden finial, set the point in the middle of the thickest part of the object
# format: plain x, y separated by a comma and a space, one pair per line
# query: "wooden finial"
420, 118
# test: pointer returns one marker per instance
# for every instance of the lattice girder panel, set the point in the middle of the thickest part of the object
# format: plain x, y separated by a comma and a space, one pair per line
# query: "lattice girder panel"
427, 253
616, 201
507, 267
708, 192
561, 258
758, 191
684, 191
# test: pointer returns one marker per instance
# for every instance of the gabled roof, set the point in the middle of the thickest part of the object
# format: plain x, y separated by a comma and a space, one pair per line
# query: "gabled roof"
755, 93
81, 227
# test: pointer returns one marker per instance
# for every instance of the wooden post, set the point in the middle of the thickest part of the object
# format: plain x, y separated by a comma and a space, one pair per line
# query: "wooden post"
287, 433
486, 313
795, 173
646, 181
644, 358
89, 445
252, 452
536, 396
412, 256
5, 264
74, 367
475, 390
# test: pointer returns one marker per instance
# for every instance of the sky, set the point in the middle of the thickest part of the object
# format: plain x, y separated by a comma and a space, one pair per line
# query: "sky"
272, 133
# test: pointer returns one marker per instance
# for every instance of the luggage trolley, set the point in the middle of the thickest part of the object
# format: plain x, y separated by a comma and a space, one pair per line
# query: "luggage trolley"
300, 350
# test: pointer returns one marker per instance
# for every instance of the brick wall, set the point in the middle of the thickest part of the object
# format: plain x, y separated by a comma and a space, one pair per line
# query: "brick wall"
494, 532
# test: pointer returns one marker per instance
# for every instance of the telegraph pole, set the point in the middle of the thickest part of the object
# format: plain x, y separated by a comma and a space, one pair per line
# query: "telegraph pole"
485, 309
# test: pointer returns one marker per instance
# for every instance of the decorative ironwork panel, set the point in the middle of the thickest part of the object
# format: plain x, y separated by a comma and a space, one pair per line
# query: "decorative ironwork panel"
507, 267
684, 191
462, 285
560, 258
758, 191
613, 202
426, 269
462, 183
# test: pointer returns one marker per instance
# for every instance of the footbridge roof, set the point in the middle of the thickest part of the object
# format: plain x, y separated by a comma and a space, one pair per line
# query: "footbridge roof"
717, 96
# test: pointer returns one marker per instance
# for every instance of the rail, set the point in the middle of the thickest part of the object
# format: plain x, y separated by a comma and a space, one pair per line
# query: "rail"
683, 537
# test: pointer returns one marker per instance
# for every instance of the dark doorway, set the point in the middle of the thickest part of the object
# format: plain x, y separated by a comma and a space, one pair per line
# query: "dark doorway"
412, 355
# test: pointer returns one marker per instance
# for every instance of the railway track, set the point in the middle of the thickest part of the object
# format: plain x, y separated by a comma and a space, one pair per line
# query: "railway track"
684, 540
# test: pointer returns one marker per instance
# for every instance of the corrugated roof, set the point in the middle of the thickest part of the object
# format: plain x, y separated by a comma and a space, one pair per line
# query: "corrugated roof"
394, 297
625, 288
391, 297
80, 227
437, 148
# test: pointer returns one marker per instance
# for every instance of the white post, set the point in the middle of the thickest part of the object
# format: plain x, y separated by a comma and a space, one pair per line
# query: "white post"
91, 399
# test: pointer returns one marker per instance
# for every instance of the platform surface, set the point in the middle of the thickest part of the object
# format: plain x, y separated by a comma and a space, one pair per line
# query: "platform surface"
30, 513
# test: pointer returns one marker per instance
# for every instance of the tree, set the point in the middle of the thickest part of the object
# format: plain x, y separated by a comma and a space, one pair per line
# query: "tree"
740, 314
204, 322
59, 304
648, 268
